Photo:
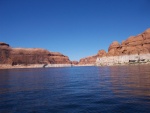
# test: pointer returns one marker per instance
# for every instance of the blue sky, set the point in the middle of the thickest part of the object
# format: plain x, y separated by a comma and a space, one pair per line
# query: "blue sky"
76, 28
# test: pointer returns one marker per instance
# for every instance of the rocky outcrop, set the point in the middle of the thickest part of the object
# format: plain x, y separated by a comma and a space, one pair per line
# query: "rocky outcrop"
135, 48
114, 45
134, 45
92, 59
25, 56
74, 62
4, 44
101, 53
58, 58
131, 49
113, 49
88, 60
139, 44
4, 53
123, 59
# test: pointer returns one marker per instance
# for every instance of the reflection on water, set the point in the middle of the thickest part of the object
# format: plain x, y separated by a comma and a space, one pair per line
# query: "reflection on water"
133, 80
29, 79
117, 89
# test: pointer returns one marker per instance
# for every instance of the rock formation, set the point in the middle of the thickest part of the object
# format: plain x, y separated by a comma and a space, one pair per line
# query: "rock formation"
139, 44
4, 53
74, 62
135, 48
101, 53
25, 56
88, 60
2, 44
91, 60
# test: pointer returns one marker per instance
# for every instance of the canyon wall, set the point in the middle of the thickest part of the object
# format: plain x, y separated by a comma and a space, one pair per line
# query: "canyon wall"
26, 56
123, 59
91, 60
136, 49
132, 48
88, 60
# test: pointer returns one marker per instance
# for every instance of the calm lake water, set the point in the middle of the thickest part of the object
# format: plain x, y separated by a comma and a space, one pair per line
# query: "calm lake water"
124, 89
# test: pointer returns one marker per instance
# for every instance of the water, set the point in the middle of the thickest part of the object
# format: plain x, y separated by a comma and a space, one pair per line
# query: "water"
124, 89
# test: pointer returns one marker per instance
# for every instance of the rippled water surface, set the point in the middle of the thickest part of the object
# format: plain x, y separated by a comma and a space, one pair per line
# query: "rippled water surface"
124, 89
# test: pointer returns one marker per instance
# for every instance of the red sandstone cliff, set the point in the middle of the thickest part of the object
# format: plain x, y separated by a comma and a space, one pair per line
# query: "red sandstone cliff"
26, 56
88, 60
74, 62
92, 59
139, 44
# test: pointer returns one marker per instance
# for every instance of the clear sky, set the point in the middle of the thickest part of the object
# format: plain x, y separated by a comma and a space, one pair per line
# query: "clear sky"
76, 28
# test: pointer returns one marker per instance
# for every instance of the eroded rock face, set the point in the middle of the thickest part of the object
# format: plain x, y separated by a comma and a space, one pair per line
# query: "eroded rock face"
139, 44
134, 45
114, 45
88, 60
27, 56
92, 59
58, 58
4, 52
4, 44
74, 62
101, 53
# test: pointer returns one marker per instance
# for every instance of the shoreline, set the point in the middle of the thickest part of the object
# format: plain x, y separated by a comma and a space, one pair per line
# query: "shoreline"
124, 60
125, 64
8, 66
